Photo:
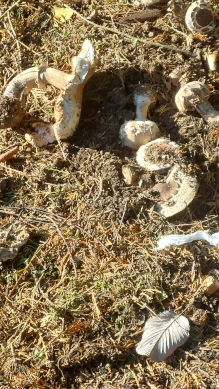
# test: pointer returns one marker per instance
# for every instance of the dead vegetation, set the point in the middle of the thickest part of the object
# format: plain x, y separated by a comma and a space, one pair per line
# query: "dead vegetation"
75, 299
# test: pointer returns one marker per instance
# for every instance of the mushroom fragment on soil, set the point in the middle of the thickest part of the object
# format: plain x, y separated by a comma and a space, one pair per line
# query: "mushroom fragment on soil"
68, 105
200, 17
157, 155
194, 96
135, 133
179, 191
211, 283
12, 103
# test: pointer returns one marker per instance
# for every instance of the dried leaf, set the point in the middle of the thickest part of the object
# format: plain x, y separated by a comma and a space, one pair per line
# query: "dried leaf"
62, 14
163, 334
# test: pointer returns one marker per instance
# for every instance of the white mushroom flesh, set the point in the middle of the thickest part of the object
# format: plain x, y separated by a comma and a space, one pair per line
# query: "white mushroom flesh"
67, 109
157, 155
134, 134
200, 17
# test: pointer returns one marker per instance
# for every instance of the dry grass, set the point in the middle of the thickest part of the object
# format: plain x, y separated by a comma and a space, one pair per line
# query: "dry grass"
75, 299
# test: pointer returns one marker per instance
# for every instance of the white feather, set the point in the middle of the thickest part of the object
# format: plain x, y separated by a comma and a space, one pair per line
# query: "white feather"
162, 335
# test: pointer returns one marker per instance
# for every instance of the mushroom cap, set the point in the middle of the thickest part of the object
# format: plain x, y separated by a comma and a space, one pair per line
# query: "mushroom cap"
200, 17
186, 191
144, 96
190, 95
158, 155
136, 133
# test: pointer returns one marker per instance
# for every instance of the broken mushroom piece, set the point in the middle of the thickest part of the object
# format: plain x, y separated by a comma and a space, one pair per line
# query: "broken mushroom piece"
135, 133
212, 61
194, 96
177, 193
200, 17
67, 109
211, 283
13, 101
158, 155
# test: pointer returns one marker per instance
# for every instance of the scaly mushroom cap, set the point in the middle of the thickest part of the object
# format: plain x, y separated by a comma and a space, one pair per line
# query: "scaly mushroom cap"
134, 134
200, 17
158, 155
182, 194
191, 95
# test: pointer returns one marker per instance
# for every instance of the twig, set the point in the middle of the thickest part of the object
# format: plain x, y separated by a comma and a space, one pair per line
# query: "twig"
128, 36
10, 8
64, 240
15, 37
9, 154
120, 224
21, 43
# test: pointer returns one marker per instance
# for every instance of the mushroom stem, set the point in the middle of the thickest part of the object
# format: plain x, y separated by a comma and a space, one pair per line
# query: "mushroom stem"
143, 98
209, 114
12, 103
68, 105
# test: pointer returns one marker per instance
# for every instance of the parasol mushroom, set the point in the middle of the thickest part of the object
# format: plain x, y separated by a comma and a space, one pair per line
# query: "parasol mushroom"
135, 133
194, 96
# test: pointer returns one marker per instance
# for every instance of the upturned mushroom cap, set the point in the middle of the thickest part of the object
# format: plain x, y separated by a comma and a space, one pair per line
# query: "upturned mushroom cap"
158, 155
200, 17
190, 95
134, 134
182, 194
143, 99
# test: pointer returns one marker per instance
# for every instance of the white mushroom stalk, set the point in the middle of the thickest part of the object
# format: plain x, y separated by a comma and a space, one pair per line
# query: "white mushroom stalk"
67, 109
194, 96
135, 133
68, 105
13, 101
183, 188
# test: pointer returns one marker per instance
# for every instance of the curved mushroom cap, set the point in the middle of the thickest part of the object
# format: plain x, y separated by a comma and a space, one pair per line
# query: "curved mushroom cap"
182, 195
134, 134
200, 17
190, 95
143, 98
158, 155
